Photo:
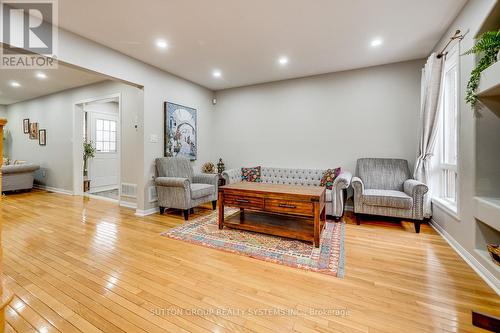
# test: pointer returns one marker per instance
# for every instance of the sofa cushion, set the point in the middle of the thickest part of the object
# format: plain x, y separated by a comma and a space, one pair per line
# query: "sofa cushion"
201, 190
328, 178
383, 173
305, 177
387, 198
174, 167
251, 174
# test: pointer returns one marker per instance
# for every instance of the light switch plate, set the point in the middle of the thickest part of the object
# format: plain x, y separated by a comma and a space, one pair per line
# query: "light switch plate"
153, 138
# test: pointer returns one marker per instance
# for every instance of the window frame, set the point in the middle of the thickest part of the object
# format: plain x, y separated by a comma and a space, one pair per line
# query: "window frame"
451, 62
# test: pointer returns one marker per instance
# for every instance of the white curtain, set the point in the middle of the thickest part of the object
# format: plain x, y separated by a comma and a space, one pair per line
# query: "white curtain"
432, 75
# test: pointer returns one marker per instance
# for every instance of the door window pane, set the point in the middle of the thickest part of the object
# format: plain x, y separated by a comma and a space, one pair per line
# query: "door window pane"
105, 136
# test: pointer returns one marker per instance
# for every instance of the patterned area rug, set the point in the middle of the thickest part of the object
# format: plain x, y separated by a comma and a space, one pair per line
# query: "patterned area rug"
327, 259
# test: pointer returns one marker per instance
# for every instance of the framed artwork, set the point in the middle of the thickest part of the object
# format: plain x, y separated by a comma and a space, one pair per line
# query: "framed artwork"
180, 132
26, 126
42, 137
34, 131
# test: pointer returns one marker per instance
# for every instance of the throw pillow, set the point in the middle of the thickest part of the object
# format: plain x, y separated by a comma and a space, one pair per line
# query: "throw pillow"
329, 176
251, 174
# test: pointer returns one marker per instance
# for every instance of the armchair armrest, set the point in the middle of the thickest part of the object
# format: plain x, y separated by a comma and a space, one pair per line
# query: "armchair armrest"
206, 178
359, 188
232, 176
414, 188
343, 180
357, 185
172, 182
340, 184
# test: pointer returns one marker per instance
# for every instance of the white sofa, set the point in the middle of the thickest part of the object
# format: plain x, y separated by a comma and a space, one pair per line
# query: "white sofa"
335, 198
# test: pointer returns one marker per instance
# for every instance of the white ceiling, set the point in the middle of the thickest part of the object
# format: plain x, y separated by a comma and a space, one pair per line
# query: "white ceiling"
59, 79
244, 38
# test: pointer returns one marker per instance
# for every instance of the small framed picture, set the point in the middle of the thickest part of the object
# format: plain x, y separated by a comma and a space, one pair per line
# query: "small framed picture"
42, 137
34, 131
26, 126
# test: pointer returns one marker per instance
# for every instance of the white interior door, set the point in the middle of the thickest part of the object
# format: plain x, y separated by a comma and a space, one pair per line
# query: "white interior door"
104, 167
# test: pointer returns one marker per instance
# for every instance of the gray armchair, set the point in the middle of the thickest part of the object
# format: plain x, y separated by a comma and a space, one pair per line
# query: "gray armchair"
178, 187
384, 187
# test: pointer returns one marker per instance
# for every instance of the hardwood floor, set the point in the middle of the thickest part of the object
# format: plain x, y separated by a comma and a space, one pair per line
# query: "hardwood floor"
78, 264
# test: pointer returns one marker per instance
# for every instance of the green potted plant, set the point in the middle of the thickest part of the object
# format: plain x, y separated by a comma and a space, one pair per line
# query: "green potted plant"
487, 46
88, 153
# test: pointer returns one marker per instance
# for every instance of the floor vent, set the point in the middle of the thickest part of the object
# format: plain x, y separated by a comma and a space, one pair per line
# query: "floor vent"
129, 190
153, 196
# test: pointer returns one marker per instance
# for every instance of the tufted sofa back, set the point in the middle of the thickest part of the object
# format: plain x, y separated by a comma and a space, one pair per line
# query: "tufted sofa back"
305, 177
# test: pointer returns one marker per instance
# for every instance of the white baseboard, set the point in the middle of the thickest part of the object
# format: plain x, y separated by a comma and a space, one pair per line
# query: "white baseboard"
485, 274
102, 189
53, 189
127, 204
99, 197
151, 211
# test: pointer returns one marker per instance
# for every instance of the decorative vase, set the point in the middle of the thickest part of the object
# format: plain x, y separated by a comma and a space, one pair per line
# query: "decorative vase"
494, 251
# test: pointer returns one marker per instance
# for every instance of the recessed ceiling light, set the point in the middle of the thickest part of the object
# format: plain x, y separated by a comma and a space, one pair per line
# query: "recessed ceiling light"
41, 75
217, 73
15, 84
162, 44
283, 60
376, 42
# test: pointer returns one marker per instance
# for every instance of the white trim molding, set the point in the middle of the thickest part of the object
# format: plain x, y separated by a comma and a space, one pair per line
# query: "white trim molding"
448, 208
150, 211
53, 189
485, 274
127, 204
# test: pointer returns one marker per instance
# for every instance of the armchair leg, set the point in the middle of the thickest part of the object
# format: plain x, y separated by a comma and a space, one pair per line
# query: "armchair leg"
358, 219
417, 226
162, 210
214, 204
186, 214
191, 211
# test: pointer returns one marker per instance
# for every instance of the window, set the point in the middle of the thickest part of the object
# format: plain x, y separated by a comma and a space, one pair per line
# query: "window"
105, 135
449, 130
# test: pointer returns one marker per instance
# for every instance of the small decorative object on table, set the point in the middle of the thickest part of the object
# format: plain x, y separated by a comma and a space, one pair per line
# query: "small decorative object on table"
208, 167
220, 166
494, 250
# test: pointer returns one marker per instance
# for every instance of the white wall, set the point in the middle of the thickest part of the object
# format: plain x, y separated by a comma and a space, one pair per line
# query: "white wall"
3, 111
54, 113
3, 115
463, 230
322, 121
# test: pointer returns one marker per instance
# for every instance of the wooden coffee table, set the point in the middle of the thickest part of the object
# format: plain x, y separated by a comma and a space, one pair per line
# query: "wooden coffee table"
283, 210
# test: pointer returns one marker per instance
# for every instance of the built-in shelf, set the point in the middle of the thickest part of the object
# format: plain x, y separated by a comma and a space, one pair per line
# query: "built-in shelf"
489, 84
487, 210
